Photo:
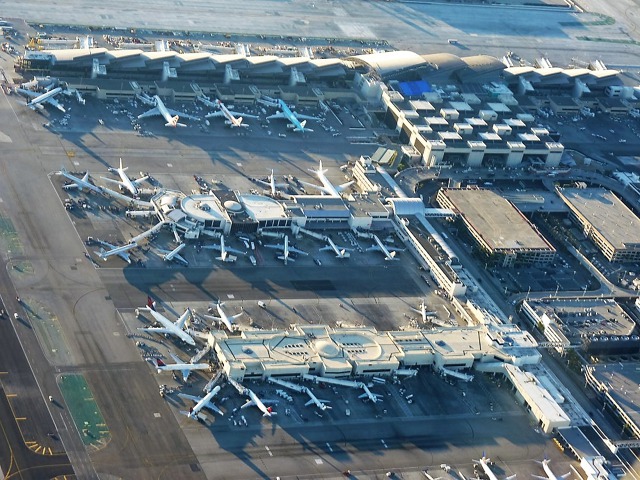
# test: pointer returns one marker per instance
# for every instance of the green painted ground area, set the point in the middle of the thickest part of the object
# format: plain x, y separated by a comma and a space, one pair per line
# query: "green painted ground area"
9, 237
49, 332
84, 410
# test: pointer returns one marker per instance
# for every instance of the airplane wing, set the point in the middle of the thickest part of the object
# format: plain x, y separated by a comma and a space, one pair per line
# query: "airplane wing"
181, 259
155, 330
140, 180
317, 187
344, 186
233, 250
249, 403
243, 115
52, 101
28, 93
182, 114
216, 114
295, 250
151, 113
112, 180
299, 116
278, 246
276, 115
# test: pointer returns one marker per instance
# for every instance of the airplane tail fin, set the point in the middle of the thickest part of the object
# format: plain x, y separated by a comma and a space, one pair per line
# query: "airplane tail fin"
150, 303
124, 169
392, 255
174, 122
239, 123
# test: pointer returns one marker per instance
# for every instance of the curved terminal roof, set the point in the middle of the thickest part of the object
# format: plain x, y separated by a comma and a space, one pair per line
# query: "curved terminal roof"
202, 208
260, 207
385, 63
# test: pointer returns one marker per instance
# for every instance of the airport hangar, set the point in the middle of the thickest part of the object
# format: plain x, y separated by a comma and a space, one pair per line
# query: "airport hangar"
606, 220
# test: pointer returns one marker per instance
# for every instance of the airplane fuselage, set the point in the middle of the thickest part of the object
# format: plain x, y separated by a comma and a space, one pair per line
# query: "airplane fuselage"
290, 115
44, 96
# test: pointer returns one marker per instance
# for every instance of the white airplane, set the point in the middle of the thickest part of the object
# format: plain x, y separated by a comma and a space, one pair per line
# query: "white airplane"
171, 328
171, 116
549, 472
341, 252
285, 112
273, 186
321, 404
121, 251
225, 319
233, 119
389, 252
422, 310
79, 183
201, 402
37, 99
327, 188
184, 368
224, 251
286, 250
171, 255
484, 463
374, 397
254, 400
125, 182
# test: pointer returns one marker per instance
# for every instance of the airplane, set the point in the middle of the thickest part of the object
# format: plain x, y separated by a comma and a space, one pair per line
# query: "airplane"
272, 184
79, 183
224, 251
233, 119
484, 463
422, 310
171, 116
389, 252
125, 181
341, 252
254, 400
321, 404
172, 328
327, 188
121, 251
549, 472
226, 320
37, 99
202, 402
374, 397
285, 112
184, 368
171, 255
286, 250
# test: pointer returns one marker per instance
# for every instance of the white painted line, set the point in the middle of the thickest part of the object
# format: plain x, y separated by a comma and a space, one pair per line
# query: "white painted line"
329, 447
230, 296
157, 415
319, 461
239, 164
170, 165
384, 444
76, 163
268, 451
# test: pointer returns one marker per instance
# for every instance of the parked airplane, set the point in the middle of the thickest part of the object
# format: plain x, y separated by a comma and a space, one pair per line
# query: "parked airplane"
422, 310
321, 404
115, 250
226, 320
171, 255
341, 252
285, 112
79, 183
484, 463
37, 99
273, 186
389, 252
233, 119
286, 250
254, 400
224, 251
171, 328
202, 402
327, 188
184, 368
549, 472
374, 397
125, 181
171, 116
